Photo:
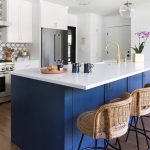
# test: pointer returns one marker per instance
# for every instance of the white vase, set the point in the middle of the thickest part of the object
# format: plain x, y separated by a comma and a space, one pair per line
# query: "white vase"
138, 57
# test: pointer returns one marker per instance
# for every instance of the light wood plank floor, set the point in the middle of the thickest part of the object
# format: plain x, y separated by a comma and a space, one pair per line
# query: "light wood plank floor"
5, 143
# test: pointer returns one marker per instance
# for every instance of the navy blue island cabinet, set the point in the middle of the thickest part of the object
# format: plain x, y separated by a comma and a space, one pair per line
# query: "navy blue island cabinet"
115, 89
135, 82
44, 115
146, 77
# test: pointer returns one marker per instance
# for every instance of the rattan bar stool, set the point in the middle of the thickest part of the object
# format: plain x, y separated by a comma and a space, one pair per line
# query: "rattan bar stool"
108, 122
147, 86
140, 108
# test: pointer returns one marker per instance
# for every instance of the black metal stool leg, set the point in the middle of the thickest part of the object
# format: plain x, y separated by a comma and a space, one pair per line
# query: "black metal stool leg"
129, 129
116, 142
119, 143
81, 141
145, 132
95, 147
105, 144
137, 139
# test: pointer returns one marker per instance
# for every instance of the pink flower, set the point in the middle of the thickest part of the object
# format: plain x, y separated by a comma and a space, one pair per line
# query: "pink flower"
143, 34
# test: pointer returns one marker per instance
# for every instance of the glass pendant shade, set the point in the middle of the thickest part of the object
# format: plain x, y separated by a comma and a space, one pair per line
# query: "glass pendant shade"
126, 10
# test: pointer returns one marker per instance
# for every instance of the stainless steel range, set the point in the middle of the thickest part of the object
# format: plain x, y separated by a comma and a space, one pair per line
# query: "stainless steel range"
5, 80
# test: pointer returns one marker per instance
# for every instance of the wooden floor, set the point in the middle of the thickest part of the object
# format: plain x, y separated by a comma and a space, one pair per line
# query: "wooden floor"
5, 143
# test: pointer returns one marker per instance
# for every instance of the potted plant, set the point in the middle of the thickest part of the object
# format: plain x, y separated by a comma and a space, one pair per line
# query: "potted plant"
139, 56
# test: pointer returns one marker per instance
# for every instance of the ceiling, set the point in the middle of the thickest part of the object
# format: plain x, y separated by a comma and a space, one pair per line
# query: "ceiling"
102, 7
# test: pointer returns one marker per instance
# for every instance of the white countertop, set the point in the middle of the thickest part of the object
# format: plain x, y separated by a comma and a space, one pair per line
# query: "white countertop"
102, 73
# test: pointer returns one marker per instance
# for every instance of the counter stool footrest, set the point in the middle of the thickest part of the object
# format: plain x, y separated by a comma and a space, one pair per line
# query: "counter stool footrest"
140, 133
117, 141
145, 116
106, 144
133, 127
93, 148
142, 130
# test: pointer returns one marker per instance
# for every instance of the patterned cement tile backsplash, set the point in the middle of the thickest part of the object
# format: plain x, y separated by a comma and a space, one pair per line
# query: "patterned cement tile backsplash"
16, 46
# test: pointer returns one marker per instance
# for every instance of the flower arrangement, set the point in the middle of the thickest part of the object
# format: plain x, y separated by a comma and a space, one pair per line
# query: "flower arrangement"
143, 36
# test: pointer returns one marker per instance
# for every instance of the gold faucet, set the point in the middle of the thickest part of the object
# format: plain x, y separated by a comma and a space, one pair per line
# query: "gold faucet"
125, 56
118, 50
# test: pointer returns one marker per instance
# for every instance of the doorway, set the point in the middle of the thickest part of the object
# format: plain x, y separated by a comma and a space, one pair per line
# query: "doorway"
71, 44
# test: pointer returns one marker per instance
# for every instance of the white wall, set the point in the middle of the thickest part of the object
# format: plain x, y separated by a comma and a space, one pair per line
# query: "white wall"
92, 29
72, 20
90, 37
111, 21
141, 22
118, 30
97, 38
83, 38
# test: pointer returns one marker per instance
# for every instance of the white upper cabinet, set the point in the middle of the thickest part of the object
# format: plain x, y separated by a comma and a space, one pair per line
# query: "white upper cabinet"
12, 17
53, 15
20, 17
26, 21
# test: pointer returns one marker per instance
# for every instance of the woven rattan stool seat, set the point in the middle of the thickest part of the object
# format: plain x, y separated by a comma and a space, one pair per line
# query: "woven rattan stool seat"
107, 122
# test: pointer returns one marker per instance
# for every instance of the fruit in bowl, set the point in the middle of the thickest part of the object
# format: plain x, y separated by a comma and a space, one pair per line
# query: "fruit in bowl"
52, 68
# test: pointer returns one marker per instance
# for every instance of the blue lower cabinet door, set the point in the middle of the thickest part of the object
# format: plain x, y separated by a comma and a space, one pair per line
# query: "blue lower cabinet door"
115, 89
146, 77
84, 101
135, 82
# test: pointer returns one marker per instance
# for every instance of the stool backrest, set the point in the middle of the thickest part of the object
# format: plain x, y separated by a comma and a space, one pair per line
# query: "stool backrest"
111, 119
147, 85
140, 102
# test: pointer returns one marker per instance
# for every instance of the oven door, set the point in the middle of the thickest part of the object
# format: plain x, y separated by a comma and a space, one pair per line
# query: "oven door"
4, 85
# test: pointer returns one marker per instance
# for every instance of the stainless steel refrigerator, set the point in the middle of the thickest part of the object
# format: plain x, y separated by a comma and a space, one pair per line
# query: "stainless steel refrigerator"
54, 46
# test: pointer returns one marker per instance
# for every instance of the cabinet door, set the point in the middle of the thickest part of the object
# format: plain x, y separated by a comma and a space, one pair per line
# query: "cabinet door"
48, 16
26, 21
135, 82
62, 18
146, 77
20, 18
53, 15
13, 18
115, 89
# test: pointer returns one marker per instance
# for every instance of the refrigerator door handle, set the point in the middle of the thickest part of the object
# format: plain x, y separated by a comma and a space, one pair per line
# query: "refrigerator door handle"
55, 47
60, 47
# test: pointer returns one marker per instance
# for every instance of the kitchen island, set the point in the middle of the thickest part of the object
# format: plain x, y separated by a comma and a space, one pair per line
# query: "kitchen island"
45, 107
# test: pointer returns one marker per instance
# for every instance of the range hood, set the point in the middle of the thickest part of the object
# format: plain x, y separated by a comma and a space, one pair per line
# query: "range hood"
4, 24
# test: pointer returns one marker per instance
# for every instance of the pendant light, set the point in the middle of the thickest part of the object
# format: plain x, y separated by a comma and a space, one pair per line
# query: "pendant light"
84, 2
126, 10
